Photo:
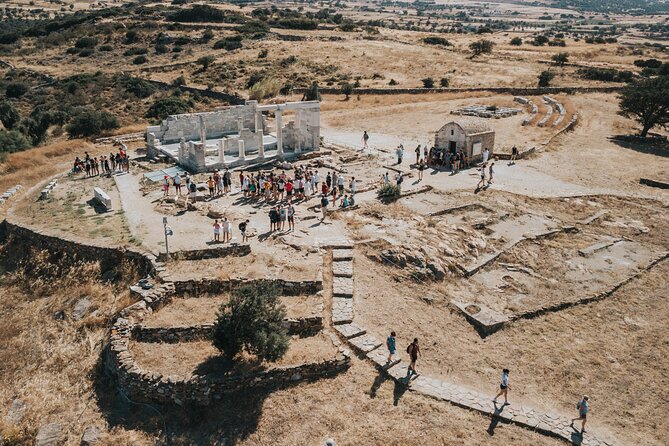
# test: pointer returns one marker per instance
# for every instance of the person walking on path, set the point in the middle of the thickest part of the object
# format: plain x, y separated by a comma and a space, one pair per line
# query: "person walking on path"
486, 155
482, 180
398, 180
210, 185
421, 168
582, 408
503, 387
243, 226
514, 155
414, 352
290, 210
365, 139
324, 206
490, 171
417, 154
392, 348
217, 231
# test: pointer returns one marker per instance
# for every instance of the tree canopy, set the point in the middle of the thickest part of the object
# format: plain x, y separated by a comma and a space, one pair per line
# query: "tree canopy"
481, 47
252, 321
647, 102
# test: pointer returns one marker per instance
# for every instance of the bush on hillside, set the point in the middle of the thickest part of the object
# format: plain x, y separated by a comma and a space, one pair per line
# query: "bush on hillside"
162, 108
16, 89
388, 193
91, 123
13, 141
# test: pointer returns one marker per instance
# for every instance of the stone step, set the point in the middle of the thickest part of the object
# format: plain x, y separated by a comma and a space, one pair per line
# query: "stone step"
343, 287
365, 343
342, 310
339, 255
350, 330
343, 268
380, 357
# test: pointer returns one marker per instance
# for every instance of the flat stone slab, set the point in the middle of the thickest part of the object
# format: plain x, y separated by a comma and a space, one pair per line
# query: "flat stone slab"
350, 330
485, 320
343, 268
365, 343
49, 435
342, 254
342, 310
379, 356
590, 250
594, 217
338, 244
343, 287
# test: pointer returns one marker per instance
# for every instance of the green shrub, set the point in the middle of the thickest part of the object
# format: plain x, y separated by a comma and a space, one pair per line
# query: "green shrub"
252, 321
205, 61
140, 88
9, 116
139, 60
106, 48
131, 36
298, 23
444, 82
434, 40
162, 108
516, 41
91, 123
86, 42
86, 52
428, 82
392, 82
228, 43
545, 78
12, 141
206, 13
388, 193
16, 89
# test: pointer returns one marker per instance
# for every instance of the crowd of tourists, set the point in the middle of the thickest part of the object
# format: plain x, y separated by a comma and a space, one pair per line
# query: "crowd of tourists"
103, 165
413, 350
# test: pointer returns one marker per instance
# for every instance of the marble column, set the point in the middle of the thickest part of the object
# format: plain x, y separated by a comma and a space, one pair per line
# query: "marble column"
182, 149
203, 131
279, 134
242, 152
221, 152
240, 125
259, 126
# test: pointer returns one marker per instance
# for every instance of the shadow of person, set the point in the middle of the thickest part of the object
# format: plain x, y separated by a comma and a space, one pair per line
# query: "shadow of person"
376, 385
265, 236
494, 421
401, 386
576, 436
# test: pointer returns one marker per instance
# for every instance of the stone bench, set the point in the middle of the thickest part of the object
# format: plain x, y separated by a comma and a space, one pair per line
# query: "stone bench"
102, 197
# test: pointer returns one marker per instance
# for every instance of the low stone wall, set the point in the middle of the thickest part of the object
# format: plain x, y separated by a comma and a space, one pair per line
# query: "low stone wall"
235, 249
510, 90
307, 326
66, 251
212, 286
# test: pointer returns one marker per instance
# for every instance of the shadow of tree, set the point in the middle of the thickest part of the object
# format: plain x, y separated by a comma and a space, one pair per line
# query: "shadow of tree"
652, 146
228, 420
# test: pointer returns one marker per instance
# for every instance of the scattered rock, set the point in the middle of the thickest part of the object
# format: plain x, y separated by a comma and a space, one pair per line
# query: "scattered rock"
49, 435
59, 315
91, 436
16, 412
81, 308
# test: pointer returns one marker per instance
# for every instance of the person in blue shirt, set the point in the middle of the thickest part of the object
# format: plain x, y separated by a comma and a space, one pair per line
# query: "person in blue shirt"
582, 407
503, 387
390, 343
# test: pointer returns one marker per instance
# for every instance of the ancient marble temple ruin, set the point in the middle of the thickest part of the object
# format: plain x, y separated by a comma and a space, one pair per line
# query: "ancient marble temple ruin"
236, 135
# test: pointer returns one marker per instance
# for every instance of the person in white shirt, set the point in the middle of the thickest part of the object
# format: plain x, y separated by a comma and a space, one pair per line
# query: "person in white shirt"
486, 155
351, 186
227, 230
503, 387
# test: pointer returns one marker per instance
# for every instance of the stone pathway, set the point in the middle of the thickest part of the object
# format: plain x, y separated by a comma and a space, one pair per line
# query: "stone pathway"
461, 396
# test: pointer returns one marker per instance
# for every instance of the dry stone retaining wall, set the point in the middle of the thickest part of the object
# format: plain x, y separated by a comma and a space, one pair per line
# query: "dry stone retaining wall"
236, 249
212, 286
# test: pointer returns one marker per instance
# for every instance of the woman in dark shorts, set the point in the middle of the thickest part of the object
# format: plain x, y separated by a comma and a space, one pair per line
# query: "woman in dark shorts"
503, 387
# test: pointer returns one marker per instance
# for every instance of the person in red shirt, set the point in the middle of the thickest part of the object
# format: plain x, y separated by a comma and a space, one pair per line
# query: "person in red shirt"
324, 188
289, 189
